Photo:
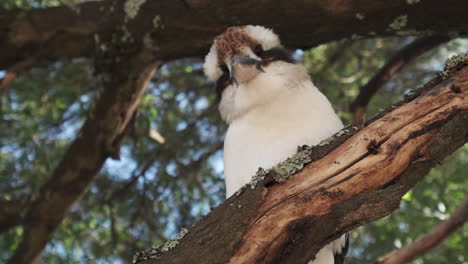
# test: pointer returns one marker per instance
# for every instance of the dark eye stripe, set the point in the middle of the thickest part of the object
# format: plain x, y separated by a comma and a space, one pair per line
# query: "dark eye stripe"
276, 54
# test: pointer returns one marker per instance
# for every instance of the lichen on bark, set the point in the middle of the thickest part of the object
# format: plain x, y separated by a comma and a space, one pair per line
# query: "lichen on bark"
453, 62
152, 253
132, 7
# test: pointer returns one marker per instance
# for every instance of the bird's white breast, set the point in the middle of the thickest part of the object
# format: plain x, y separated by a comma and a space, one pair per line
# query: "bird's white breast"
271, 132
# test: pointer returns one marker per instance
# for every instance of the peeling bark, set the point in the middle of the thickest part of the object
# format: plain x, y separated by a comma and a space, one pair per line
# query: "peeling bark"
357, 178
55, 33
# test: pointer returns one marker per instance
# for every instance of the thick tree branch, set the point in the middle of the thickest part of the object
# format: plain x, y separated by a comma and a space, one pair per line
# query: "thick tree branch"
392, 66
166, 25
98, 139
430, 240
356, 178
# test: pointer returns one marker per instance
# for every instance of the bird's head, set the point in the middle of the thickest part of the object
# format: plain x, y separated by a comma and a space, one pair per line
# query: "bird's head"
240, 61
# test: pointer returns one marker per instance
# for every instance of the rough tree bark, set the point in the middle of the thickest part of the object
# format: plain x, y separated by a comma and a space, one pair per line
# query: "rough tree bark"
358, 177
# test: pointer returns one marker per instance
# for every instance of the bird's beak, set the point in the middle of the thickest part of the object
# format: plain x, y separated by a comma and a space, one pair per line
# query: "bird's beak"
244, 69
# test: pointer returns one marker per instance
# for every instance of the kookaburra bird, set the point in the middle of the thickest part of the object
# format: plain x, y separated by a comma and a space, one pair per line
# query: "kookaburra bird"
271, 106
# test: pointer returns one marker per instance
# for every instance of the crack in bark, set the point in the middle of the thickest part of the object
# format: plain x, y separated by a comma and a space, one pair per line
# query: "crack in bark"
375, 145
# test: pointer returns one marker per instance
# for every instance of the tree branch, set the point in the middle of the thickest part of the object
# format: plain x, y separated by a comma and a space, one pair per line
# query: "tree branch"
6, 81
98, 139
430, 240
356, 178
167, 24
399, 60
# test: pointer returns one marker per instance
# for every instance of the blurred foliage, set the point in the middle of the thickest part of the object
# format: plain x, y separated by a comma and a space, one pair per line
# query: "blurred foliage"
147, 196
157, 188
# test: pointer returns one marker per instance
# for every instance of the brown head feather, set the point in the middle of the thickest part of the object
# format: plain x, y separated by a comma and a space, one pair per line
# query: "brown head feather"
231, 41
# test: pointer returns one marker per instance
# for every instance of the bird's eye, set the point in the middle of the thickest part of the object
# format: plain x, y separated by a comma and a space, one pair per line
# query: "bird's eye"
258, 50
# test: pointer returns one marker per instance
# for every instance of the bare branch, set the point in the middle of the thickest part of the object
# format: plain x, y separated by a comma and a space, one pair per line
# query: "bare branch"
392, 66
7, 80
430, 240
28, 62
14, 71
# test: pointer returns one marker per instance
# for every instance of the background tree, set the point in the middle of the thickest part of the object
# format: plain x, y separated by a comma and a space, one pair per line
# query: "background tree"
170, 169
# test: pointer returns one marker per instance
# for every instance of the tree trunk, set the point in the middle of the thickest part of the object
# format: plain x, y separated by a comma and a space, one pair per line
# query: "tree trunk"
357, 177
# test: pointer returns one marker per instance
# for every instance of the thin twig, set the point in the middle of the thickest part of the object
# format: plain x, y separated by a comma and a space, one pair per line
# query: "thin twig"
7, 80
13, 72
28, 63
430, 240
392, 66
